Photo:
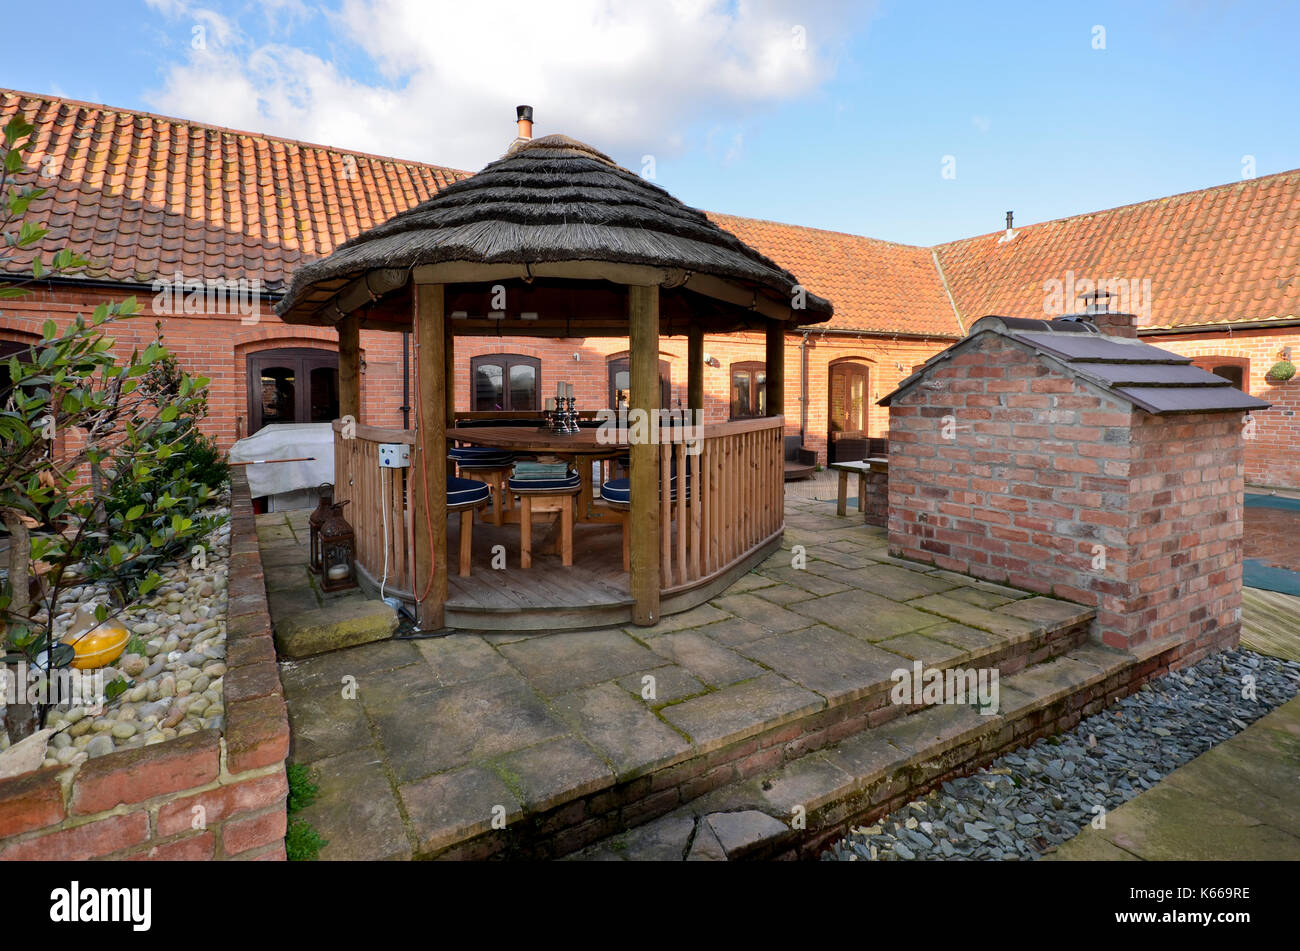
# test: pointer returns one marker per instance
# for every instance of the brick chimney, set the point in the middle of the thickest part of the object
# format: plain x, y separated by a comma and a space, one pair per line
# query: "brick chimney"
1097, 312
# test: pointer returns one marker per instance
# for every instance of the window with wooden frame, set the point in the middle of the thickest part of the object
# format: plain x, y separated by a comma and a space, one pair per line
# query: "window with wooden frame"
1236, 369
748, 389
505, 381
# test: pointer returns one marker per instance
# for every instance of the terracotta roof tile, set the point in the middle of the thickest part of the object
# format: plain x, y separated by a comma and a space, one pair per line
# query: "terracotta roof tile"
143, 195
874, 285
140, 194
1219, 255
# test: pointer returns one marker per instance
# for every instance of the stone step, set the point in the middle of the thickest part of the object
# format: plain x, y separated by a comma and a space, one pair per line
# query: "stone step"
346, 622
758, 725
797, 809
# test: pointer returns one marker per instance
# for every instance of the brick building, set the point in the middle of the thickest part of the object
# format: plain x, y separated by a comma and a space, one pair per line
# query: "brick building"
147, 198
1088, 465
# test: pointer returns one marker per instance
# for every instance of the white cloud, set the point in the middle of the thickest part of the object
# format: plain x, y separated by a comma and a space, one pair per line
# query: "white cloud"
631, 77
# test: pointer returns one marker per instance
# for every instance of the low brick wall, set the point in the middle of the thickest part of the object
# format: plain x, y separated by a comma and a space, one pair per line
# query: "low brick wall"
208, 795
875, 509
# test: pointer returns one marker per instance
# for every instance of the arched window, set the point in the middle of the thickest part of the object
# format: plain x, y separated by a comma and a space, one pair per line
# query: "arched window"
505, 381
292, 385
620, 383
1236, 369
748, 389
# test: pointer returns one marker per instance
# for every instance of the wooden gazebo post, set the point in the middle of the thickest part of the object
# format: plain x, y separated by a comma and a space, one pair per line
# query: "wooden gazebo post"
695, 368
350, 367
429, 468
643, 373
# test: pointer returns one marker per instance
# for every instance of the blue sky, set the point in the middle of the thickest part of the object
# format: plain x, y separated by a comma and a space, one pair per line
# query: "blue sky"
848, 132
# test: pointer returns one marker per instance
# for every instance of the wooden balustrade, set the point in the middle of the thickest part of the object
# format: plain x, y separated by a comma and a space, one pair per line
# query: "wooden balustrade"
729, 502
376, 494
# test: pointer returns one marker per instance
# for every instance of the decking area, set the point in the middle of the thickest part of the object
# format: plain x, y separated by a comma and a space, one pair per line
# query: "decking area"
571, 737
727, 519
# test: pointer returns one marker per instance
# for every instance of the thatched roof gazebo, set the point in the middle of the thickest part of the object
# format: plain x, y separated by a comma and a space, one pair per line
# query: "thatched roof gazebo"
575, 246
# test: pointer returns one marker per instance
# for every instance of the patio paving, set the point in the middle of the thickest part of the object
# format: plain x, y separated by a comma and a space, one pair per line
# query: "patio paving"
418, 744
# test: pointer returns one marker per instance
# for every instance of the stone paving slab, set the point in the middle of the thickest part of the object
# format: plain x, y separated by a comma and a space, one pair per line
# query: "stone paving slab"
355, 809
450, 727
829, 662
553, 772
457, 805
443, 729
741, 710
865, 615
706, 660
624, 729
560, 662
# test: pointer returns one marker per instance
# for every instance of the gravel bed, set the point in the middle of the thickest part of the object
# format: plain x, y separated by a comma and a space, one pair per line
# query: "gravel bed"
173, 666
1035, 798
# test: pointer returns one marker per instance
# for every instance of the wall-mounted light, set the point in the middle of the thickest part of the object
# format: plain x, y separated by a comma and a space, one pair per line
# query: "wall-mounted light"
528, 315
459, 314
711, 361
576, 356
496, 315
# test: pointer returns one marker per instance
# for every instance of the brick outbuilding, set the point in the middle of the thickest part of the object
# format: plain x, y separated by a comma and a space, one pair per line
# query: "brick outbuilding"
1048, 455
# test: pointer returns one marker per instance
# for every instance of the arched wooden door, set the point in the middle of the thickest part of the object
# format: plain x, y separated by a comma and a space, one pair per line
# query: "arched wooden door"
849, 409
292, 385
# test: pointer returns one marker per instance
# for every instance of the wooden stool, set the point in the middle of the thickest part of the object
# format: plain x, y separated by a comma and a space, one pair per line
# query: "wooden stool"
496, 477
617, 495
464, 496
491, 466
533, 491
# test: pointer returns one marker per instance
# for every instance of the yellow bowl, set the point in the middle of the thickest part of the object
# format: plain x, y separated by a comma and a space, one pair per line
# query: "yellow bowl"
100, 646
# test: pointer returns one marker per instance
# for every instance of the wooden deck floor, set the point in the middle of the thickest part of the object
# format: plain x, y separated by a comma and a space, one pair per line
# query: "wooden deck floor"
594, 587
1270, 623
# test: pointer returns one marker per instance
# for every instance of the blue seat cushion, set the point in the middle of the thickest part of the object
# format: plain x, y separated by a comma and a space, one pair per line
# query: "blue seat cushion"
480, 456
568, 483
620, 490
466, 491
617, 490
469, 465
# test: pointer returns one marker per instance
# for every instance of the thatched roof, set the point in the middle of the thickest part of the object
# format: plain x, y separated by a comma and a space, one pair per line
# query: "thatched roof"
550, 200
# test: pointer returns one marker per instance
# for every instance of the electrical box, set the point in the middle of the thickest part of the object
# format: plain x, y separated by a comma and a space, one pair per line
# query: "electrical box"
394, 455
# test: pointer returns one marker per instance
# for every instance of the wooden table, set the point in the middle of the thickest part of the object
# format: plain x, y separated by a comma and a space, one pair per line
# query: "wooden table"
581, 448
844, 468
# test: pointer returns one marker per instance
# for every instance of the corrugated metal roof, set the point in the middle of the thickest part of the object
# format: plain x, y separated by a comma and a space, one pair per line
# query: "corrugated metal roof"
1152, 379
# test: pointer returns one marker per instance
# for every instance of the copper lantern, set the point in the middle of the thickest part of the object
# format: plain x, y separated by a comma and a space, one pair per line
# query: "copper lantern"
338, 549
318, 516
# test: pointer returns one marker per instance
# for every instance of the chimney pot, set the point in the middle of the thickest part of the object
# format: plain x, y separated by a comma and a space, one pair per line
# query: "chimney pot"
524, 121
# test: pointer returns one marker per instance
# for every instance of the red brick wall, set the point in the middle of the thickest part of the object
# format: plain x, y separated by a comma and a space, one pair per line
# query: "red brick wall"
1185, 523
1045, 477
217, 346
1273, 455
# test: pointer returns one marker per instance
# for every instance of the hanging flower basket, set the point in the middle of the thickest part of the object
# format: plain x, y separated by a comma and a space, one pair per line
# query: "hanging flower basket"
1280, 372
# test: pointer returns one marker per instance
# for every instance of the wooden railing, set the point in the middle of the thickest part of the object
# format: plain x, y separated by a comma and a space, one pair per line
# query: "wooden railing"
376, 495
729, 502
731, 505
